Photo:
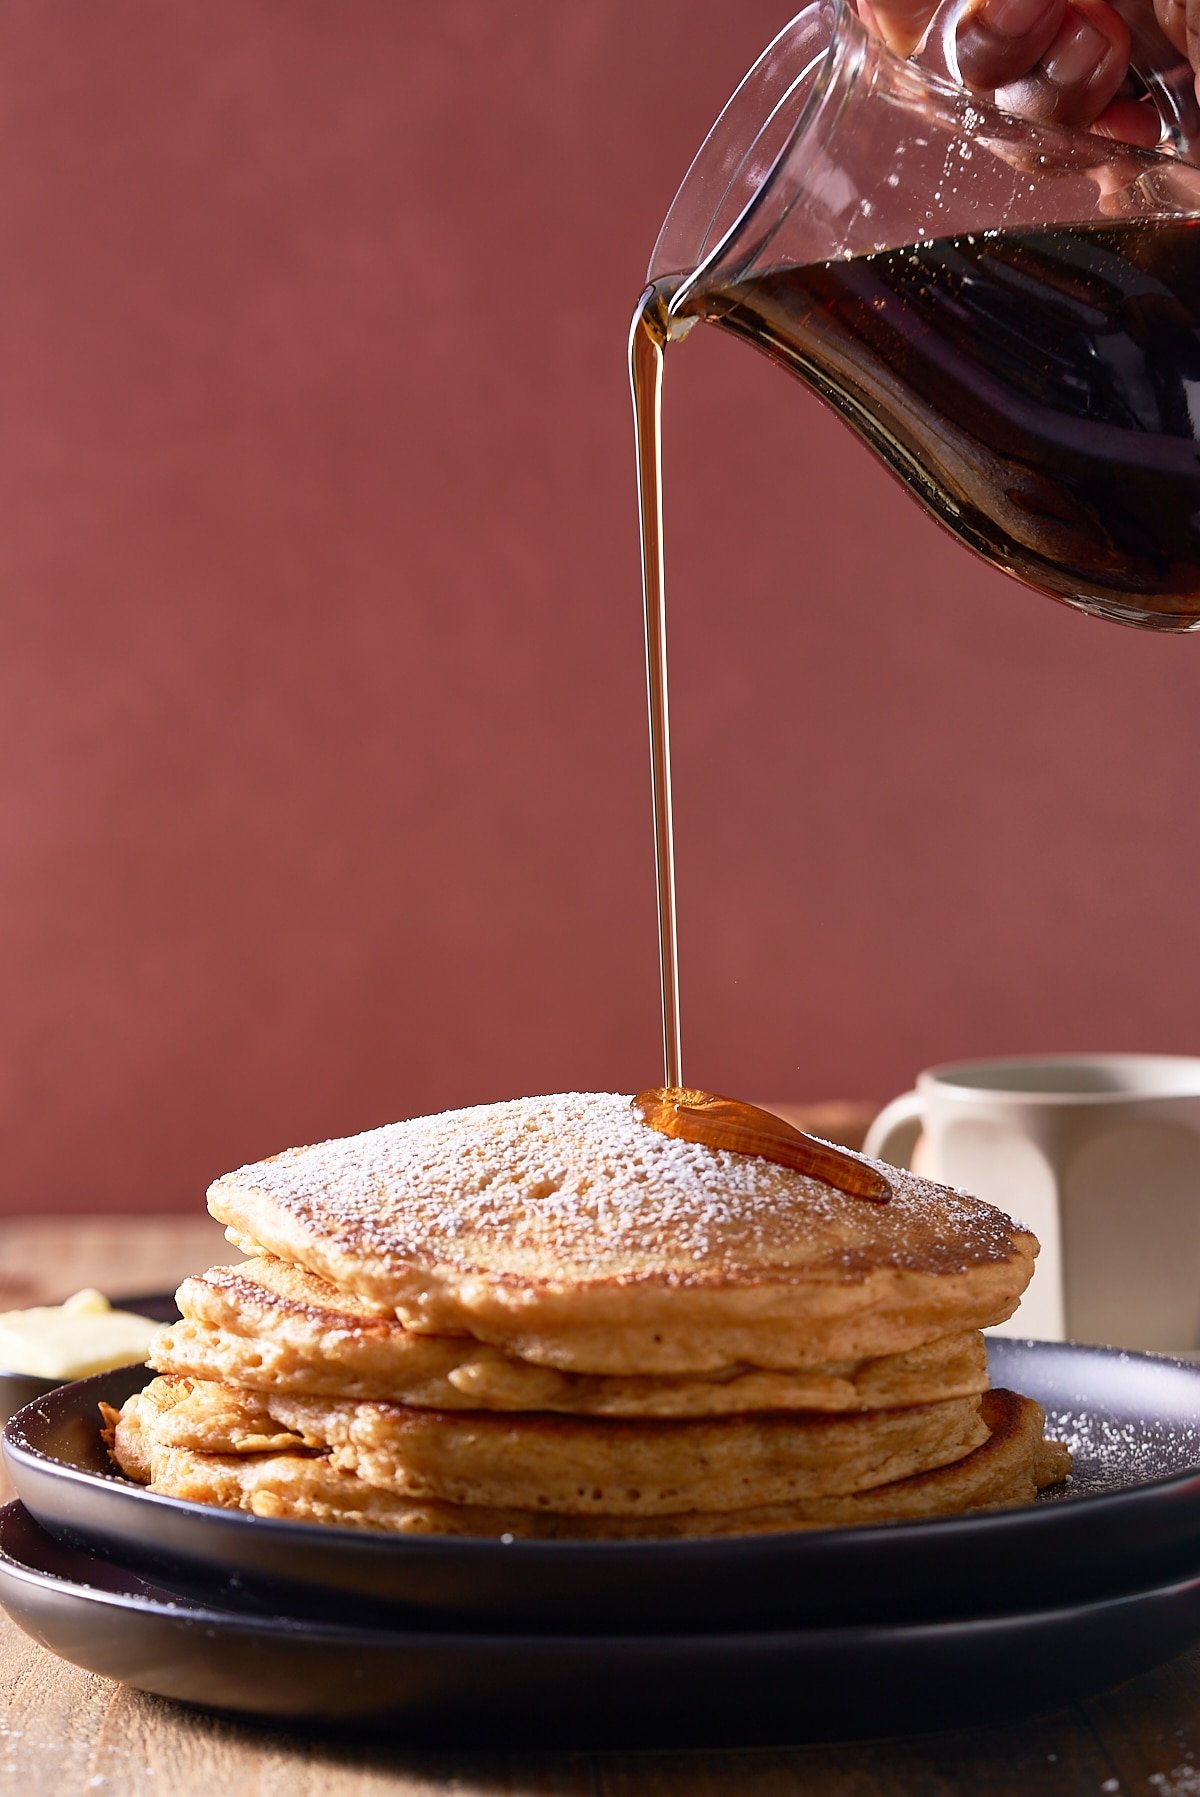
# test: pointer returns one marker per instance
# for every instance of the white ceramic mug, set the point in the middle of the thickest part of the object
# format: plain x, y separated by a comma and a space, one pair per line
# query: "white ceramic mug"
1100, 1156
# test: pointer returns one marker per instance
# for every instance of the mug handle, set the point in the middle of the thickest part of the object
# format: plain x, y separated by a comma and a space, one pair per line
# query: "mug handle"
893, 1135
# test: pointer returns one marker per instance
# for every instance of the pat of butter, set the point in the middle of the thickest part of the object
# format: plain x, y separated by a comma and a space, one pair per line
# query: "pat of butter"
69, 1341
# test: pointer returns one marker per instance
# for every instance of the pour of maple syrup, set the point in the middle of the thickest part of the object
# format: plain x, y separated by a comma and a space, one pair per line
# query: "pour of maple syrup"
1036, 392
647, 341
675, 1110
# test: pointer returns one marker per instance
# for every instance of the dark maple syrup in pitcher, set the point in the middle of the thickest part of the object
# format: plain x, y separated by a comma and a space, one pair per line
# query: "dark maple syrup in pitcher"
1038, 393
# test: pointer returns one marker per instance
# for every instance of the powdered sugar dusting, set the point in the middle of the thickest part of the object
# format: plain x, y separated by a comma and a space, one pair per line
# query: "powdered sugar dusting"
1111, 1452
582, 1177
1182, 1780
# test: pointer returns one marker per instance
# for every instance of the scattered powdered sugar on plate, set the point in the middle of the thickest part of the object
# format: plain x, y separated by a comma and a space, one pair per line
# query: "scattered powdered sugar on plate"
1113, 1454
1181, 1781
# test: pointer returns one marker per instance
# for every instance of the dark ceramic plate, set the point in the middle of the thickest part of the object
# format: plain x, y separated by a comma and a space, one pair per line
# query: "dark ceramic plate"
19, 1389
583, 1690
1132, 1421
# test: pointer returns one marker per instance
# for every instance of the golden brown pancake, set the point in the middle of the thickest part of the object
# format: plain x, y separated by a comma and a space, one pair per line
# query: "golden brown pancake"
1010, 1467
568, 1233
571, 1465
266, 1326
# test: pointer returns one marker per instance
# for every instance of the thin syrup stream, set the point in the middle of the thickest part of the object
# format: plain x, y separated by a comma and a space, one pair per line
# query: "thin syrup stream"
694, 1116
647, 341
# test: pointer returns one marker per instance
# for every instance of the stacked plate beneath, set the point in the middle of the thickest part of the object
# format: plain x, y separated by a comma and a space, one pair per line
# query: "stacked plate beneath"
690, 1642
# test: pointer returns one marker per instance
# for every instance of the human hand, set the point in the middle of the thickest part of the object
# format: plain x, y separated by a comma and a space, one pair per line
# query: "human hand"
1052, 61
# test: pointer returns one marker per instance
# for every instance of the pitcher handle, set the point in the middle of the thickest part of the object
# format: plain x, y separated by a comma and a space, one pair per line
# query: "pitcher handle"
893, 1135
1167, 76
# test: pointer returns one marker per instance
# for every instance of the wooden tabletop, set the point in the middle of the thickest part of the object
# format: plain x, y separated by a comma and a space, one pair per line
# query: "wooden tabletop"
63, 1731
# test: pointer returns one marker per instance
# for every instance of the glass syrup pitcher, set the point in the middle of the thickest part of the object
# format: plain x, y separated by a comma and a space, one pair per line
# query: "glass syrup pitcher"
1007, 313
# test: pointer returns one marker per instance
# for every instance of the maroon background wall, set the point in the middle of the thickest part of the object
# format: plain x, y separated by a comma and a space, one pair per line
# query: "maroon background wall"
323, 794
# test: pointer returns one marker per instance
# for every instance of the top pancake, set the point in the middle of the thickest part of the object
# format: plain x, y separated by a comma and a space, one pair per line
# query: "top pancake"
569, 1232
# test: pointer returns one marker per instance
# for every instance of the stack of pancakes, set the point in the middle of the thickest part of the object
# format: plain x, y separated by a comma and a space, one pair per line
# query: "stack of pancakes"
543, 1318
